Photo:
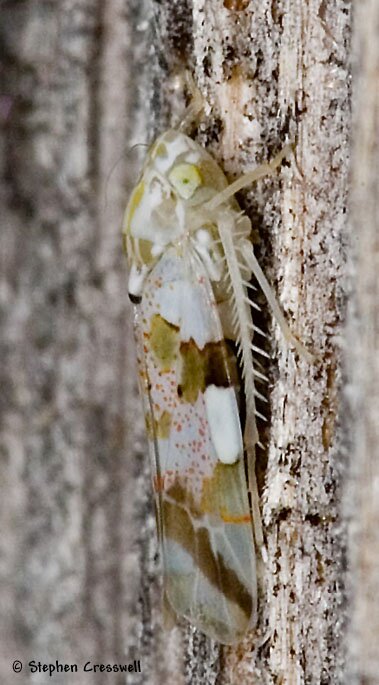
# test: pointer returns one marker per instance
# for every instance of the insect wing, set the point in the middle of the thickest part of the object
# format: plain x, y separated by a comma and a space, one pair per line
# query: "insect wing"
192, 420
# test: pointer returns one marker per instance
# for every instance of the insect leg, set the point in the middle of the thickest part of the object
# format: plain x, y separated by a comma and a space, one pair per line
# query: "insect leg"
225, 223
252, 262
247, 179
195, 107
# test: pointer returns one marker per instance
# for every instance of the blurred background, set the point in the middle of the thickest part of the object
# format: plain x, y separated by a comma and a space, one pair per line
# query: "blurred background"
73, 470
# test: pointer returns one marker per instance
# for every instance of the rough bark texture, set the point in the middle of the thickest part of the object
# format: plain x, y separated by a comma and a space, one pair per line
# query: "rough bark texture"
83, 81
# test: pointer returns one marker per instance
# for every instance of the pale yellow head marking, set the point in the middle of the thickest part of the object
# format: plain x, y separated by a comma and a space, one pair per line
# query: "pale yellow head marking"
186, 179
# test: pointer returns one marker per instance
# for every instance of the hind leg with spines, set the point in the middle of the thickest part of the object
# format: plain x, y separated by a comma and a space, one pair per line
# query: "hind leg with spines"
246, 249
226, 223
239, 255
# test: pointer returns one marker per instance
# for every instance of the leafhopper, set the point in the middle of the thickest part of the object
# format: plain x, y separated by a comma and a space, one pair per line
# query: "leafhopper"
191, 260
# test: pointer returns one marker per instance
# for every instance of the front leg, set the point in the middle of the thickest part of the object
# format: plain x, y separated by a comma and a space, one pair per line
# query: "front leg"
265, 169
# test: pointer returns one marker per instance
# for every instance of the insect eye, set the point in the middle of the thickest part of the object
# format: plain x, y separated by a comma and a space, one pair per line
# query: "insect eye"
186, 179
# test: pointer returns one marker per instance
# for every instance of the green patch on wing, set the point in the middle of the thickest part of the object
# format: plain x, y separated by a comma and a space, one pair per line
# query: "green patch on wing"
221, 494
192, 379
159, 428
178, 525
213, 365
164, 342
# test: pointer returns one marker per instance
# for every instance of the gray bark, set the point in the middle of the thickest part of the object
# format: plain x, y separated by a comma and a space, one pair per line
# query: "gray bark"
362, 501
83, 82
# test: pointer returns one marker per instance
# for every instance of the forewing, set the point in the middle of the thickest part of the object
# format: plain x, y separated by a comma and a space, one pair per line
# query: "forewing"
204, 521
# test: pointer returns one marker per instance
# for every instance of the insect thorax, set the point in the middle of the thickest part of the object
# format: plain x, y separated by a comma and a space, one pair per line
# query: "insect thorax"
168, 205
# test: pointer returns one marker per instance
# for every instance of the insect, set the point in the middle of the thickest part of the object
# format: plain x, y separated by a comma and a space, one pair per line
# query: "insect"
191, 261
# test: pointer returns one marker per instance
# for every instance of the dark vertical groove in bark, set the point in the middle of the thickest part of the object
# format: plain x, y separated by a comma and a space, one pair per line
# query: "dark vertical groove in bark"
94, 75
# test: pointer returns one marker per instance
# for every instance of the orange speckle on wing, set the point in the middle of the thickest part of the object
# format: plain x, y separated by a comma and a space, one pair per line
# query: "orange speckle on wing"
227, 518
158, 483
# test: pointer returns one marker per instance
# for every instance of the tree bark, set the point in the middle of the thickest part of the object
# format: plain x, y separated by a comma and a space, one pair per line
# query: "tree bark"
362, 501
83, 82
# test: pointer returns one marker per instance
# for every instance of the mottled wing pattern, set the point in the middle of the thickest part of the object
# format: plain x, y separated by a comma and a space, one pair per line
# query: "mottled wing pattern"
203, 513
